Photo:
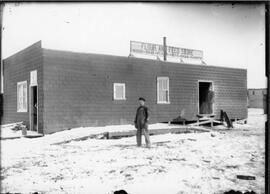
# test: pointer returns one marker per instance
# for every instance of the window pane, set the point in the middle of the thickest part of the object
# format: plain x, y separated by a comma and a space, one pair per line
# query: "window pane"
160, 96
24, 99
119, 91
160, 85
164, 84
163, 89
20, 96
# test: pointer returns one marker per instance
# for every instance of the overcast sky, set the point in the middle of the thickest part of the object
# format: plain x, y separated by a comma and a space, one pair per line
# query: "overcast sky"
231, 36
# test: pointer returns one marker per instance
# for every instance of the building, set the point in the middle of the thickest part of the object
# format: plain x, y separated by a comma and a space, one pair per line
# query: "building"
56, 90
257, 98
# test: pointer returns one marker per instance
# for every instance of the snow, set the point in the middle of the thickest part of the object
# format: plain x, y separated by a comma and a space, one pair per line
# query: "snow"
79, 132
7, 132
176, 163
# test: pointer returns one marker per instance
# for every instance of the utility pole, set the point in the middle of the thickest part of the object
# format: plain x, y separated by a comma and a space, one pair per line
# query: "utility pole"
1, 61
164, 49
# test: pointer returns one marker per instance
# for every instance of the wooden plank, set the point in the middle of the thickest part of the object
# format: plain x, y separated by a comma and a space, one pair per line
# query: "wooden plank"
130, 133
121, 134
246, 177
21, 136
10, 124
200, 123
76, 139
34, 136
227, 120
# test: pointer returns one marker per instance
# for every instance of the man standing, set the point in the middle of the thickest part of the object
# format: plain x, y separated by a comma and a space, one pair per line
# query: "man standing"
141, 123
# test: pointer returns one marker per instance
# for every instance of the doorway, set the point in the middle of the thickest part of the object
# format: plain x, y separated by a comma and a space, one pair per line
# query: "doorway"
206, 97
33, 109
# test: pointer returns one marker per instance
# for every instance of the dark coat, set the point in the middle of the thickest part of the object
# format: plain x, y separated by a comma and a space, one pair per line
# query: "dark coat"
141, 119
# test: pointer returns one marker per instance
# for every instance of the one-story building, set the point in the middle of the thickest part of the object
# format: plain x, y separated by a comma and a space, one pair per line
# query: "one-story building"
55, 90
257, 98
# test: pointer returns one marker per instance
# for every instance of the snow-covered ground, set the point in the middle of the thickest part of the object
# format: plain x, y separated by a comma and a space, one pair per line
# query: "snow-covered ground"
176, 163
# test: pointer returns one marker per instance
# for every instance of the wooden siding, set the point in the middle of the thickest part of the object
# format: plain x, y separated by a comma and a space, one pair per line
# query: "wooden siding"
17, 68
256, 98
78, 89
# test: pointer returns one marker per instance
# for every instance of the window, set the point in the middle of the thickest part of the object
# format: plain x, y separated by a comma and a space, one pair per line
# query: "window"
163, 90
33, 78
253, 92
119, 91
22, 96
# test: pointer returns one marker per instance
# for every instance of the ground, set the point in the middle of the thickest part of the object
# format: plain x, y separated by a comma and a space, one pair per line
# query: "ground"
177, 163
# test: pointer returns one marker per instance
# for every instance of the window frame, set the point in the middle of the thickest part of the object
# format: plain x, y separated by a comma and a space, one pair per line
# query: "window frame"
2, 77
20, 84
114, 91
168, 89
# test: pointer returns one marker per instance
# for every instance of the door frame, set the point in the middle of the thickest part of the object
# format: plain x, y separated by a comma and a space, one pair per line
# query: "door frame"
30, 101
198, 90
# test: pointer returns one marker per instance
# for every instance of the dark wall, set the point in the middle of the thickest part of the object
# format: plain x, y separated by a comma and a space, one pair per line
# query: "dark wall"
16, 69
78, 89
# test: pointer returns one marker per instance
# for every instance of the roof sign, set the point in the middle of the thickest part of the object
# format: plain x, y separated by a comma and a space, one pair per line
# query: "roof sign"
157, 50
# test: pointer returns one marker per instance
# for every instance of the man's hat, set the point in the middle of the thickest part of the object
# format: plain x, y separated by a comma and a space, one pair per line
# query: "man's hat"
141, 98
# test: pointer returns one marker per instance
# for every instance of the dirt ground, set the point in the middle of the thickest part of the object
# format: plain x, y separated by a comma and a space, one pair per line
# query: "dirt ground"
176, 163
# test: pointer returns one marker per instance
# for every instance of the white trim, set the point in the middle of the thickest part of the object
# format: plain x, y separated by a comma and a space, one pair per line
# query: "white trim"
22, 109
198, 90
168, 86
114, 91
33, 78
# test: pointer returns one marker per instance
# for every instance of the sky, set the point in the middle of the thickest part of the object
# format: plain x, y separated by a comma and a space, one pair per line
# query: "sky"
229, 35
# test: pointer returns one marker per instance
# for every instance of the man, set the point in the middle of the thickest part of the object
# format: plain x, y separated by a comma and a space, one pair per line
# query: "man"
141, 123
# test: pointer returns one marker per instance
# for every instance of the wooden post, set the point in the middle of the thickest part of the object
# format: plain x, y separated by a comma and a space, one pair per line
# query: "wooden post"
130, 49
164, 49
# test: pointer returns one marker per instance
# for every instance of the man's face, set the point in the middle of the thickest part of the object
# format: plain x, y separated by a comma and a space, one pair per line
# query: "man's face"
141, 102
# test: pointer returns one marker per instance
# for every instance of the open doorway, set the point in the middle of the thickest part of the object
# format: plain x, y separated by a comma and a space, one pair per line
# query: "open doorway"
206, 97
33, 108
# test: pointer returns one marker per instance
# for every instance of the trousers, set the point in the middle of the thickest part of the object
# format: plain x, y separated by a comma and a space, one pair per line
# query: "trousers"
145, 132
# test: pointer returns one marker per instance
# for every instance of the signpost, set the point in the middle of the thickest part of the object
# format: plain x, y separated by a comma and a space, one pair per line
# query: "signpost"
158, 50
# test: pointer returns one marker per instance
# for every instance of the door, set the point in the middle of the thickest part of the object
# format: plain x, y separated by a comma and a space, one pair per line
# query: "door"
33, 108
206, 97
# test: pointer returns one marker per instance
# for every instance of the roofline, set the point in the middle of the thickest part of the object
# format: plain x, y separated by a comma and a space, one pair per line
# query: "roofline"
38, 43
107, 55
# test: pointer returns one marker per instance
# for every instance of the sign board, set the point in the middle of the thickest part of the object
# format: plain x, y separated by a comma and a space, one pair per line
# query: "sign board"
33, 78
156, 49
